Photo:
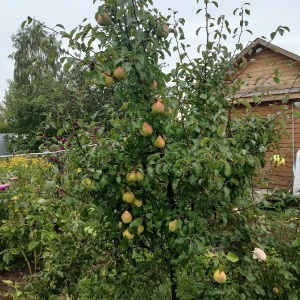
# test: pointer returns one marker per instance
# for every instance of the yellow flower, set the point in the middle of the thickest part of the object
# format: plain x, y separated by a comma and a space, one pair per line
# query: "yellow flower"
15, 198
278, 160
281, 162
210, 255
275, 290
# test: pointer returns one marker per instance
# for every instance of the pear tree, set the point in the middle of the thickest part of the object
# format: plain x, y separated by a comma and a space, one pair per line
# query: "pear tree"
164, 180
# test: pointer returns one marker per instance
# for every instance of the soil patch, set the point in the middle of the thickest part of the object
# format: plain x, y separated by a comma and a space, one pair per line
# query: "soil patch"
18, 276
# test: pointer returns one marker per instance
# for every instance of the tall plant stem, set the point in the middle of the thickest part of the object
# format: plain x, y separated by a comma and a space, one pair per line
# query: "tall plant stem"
173, 283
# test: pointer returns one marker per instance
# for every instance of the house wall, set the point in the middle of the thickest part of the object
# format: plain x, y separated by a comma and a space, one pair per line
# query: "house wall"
281, 176
257, 80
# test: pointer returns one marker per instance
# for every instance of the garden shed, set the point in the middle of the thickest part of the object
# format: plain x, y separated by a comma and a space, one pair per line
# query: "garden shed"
3, 149
269, 78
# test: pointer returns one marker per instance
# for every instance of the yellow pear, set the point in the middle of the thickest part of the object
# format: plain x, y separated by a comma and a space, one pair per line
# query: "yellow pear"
119, 73
220, 276
108, 79
137, 203
131, 177
160, 142
140, 229
173, 225
162, 31
158, 107
128, 197
104, 19
87, 183
128, 235
126, 217
154, 84
139, 176
146, 129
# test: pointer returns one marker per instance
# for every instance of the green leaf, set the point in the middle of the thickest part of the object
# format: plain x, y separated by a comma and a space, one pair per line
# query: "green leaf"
250, 277
32, 245
179, 241
227, 168
245, 103
232, 257
60, 25
276, 79
66, 67
8, 282
297, 104
175, 184
104, 181
23, 24
136, 222
221, 130
150, 172
204, 141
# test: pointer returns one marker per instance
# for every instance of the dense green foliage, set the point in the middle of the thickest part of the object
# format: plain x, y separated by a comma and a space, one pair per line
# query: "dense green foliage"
193, 174
41, 91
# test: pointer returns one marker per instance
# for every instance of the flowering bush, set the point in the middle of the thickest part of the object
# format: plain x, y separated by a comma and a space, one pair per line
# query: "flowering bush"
259, 254
22, 189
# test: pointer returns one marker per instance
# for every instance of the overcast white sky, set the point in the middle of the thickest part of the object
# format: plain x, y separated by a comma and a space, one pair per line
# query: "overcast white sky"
266, 16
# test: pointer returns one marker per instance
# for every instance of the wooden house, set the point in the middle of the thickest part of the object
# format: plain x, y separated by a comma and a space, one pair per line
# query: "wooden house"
269, 77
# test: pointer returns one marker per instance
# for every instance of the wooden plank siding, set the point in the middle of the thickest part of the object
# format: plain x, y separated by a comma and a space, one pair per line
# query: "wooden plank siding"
263, 62
281, 176
263, 67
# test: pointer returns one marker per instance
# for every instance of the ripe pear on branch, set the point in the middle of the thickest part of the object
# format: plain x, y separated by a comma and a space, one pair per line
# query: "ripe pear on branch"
160, 142
173, 226
220, 276
158, 107
138, 203
140, 229
162, 31
119, 73
128, 235
154, 84
128, 197
104, 19
146, 129
126, 217
135, 176
108, 79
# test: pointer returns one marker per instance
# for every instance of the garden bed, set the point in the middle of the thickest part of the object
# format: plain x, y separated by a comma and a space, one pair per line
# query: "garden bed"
17, 276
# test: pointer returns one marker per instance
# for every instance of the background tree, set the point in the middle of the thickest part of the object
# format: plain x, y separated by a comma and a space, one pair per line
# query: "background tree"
3, 122
41, 88
36, 71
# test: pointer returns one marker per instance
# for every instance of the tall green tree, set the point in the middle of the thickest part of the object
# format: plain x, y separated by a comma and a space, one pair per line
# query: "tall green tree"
41, 88
35, 73
34, 57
